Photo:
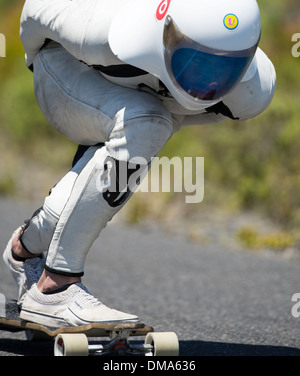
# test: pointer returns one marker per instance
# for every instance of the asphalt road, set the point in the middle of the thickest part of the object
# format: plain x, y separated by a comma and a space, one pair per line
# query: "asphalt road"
220, 302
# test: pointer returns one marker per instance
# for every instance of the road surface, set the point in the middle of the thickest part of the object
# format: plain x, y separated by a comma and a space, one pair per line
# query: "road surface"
219, 301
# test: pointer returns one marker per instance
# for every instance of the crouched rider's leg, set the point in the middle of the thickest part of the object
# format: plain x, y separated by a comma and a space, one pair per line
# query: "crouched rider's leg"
98, 186
131, 128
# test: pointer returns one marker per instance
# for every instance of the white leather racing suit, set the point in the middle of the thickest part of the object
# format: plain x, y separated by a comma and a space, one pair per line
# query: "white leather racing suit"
116, 112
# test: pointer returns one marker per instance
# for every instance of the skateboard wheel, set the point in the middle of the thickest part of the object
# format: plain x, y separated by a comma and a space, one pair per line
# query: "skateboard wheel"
71, 345
164, 344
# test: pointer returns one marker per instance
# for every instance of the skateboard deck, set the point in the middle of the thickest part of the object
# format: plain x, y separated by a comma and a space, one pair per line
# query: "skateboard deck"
73, 341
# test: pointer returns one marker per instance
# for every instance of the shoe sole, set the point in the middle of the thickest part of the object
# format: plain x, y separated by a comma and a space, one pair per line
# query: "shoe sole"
59, 322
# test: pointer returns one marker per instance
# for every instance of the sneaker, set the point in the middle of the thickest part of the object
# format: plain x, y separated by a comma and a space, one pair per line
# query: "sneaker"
26, 273
71, 305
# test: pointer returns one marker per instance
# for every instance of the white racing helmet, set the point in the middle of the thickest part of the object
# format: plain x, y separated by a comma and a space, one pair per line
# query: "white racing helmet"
199, 49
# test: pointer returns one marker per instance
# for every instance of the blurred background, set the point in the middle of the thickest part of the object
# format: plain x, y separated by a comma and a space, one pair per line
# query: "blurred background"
252, 169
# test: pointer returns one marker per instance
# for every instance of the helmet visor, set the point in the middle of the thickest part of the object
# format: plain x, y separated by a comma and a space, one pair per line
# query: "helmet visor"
201, 72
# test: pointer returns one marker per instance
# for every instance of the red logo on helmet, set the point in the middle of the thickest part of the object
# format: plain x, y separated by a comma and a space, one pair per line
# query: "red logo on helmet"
162, 9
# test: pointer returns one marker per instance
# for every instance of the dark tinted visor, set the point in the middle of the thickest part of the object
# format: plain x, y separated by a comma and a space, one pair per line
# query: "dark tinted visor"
202, 72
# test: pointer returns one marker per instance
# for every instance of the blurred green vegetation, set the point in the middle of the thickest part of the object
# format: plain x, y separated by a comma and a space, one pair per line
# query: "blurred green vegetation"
278, 241
30, 148
254, 165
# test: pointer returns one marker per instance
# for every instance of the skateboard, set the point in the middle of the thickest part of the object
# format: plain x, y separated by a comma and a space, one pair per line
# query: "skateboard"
75, 341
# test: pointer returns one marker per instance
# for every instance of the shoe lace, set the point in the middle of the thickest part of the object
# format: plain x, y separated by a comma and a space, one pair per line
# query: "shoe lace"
88, 297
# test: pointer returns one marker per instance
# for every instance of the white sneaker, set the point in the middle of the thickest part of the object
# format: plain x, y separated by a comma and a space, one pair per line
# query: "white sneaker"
74, 306
26, 273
